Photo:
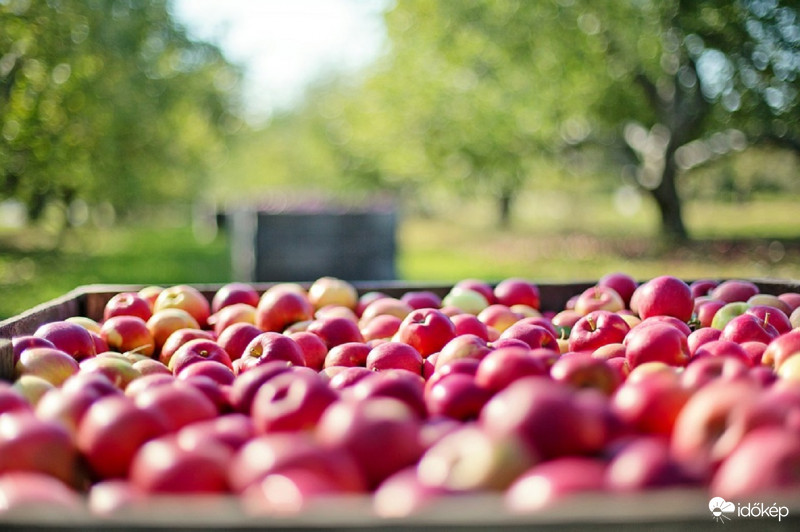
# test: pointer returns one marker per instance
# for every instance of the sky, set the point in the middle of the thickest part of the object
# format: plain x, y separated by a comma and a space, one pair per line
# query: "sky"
286, 44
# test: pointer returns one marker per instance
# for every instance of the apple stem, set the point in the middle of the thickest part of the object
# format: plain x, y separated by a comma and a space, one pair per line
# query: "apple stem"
591, 322
766, 319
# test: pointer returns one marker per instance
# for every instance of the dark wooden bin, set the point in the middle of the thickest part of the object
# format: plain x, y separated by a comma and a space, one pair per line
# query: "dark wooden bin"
657, 510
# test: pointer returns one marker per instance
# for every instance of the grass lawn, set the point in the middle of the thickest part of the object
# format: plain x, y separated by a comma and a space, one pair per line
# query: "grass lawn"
553, 238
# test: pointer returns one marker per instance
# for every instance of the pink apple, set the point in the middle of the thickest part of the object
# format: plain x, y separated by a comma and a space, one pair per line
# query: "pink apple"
366, 298
652, 403
234, 293
232, 430
792, 299
705, 369
722, 348
30, 444
127, 304
564, 320
748, 328
215, 370
596, 329
49, 363
20, 343
514, 290
706, 310
733, 290
643, 463
755, 352
27, 493
582, 370
702, 287
504, 365
347, 354
335, 331
622, 283
11, 400
775, 317
386, 306
781, 348
463, 346
348, 376
228, 315
547, 483
68, 337
394, 355
246, 385
314, 349
536, 336
665, 296
291, 401
418, 299
598, 297
396, 384
426, 330
175, 340
278, 309
178, 403
163, 466
269, 346
403, 494
701, 336
656, 342
456, 396
198, 350
184, 297
668, 320
380, 327
236, 338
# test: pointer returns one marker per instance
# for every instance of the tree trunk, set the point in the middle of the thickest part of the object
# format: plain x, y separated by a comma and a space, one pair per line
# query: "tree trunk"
669, 205
504, 202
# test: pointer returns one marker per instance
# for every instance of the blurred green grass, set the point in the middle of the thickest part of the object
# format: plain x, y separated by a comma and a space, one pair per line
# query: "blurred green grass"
553, 238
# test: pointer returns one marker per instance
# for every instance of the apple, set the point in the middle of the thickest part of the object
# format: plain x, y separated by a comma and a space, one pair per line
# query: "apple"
27, 493
86, 322
418, 299
651, 403
278, 309
504, 365
771, 301
161, 465
705, 311
217, 371
656, 342
499, 317
701, 336
291, 401
775, 317
704, 369
755, 352
68, 337
747, 327
722, 348
427, 330
644, 463
465, 299
166, 321
462, 346
314, 349
665, 296
112, 430
582, 370
366, 298
727, 312
469, 324
128, 304
598, 297
175, 340
246, 385
228, 315
150, 293
49, 363
668, 320
184, 297
546, 415
197, 350
547, 483
766, 461
269, 346
386, 306
733, 290
792, 300
128, 333
394, 355
514, 290
332, 291
335, 330
236, 338
380, 327
622, 283
178, 403
702, 287
234, 293
21, 343
456, 396
790, 369
11, 400
470, 459
148, 381
564, 320
233, 430
403, 494
117, 369
609, 351
596, 329
781, 348
114, 497
28, 443
382, 434
348, 376
396, 384
347, 354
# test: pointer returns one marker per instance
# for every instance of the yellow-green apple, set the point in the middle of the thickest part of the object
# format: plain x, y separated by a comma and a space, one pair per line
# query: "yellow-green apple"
162, 465
233, 293
178, 403
582, 370
477, 285
314, 349
770, 300
179, 337
235, 338
417, 299
504, 365
645, 462
766, 461
246, 385
32, 388
427, 330
514, 290
68, 337
596, 329
548, 483
465, 299
117, 369
665, 296
292, 401
651, 403
335, 331
734, 290
125, 333
166, 321
546, 416
656, 342
498, 316
598, 297
127, 304
86, 322
49, 363
622, 283
28, 492
347, 354
278, 309
269, 346
471, 459
28, 443
228, 315
382, 434
184, 297
198, 350
112, 430
727, 312
394, 355
332, 291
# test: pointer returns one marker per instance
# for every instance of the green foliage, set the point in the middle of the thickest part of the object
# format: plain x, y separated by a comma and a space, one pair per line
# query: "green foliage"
107, 102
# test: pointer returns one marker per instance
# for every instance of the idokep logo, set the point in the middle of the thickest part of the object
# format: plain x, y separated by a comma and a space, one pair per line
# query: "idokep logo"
722, 510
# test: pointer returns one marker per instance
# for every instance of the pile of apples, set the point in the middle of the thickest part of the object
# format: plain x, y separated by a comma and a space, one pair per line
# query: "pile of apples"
282, 399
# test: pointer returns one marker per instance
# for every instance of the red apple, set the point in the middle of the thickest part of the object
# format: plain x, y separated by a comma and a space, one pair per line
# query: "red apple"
278, 309
29, 492
706, 310
291, 401
269, 346
705, 369
596, 329
651, 404
68, 337
644, 463
582, 370
127, 304
11, 400
781, 348
564, 320
656, 342
21, 343
665, 296
536, 336
547, 483
335, 331
128, 333
426, 330
314, 349
394, 355
775, 317
236, 338
184, 297
30, 444
734, 290
598, 297
166, 321
702, 287
347, 354
463, 346
747, 328
234, 293
622, 283
722, 348
219, 372
175, 340
396, 384
418, 299
504, 365
227, 316
456, 396
514, 291
701, 336
178, 403
198, 350
246, 385
232, 430
117, 369
348, 376
49, 363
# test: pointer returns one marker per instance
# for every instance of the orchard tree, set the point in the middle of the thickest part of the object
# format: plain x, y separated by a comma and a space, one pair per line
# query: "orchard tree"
107, 102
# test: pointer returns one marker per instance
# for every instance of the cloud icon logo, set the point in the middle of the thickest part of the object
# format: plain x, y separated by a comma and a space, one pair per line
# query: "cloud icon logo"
719, 507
